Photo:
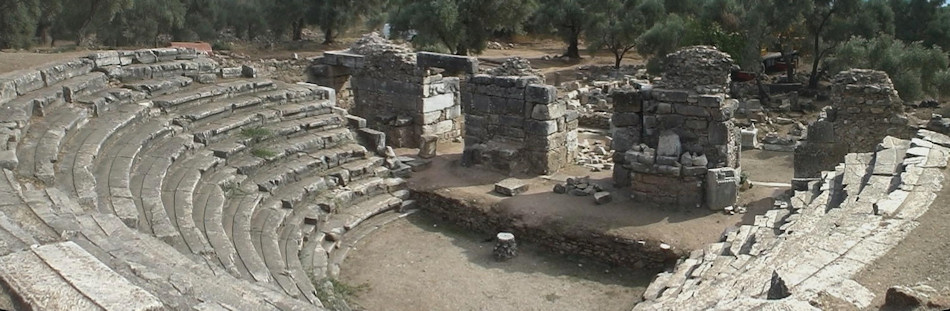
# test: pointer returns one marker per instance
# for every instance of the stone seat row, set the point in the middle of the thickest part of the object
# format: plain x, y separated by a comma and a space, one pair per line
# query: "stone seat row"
818, 240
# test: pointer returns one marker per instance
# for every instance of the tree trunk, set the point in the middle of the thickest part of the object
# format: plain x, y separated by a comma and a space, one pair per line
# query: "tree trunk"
813, 77
789, 67
505, 246
618, 56
327, 35
44, 33
572, 50
298, 30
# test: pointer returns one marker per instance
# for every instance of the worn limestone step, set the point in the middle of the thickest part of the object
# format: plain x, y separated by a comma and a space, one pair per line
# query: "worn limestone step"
114, 170
75, 170
237, 223
247, 163
290, 242
161, 70
293, 169
64, 276
162, 86
38, 150
15, 207
146, 180
263, 229
207, 94
209, 206
109, 99
178, 196
173, 277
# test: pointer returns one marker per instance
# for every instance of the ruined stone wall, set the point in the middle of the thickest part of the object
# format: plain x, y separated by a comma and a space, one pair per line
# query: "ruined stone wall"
667, 137
597, 245
865, 108
394, 94
516, 124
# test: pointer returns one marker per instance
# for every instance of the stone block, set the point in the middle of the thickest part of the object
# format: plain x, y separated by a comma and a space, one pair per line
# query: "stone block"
145, 57
7, 90
374, 139
669, 145
8, 159
511, 187
355, 122
821, 131
540, 128
248, 71
231, 72
548, 111
452, 64
543, 94
664, 108
621, 176
428, 145
718, 133
438, 128
602, 197
620, 119
27, 81
431, 117
670, 121
690, 110
673, 96
105, 58
722, 187
750, 138
627, 101
711, 100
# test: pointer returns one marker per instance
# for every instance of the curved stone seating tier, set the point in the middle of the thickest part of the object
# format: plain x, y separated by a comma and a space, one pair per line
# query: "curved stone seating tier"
184, 192
817, 241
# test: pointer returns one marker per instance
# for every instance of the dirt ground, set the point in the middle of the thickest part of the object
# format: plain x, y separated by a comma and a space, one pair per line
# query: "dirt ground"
22, 60
688, 229
920, 258
419, 263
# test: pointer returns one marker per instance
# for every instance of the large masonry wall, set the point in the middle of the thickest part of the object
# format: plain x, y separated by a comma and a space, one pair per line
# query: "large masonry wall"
675, 143
516, 124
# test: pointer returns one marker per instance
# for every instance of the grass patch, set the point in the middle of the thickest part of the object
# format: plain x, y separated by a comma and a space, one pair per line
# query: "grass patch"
263, 153
256, 133
336, 295
231, 189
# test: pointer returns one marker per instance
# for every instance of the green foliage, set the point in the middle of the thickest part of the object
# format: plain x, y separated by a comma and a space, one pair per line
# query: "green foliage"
565, 18
256, 133
143, 23
18, 20
459, 26
86, 16
263, 153
335, 16
618, 23
915, 69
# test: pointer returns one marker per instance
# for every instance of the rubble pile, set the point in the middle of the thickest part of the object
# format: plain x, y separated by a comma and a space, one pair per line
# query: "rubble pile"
515, 66
374, 44
597, 156
582, 187
699, 69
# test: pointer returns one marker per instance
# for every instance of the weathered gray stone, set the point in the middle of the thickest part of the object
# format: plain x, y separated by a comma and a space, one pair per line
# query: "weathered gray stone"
427, 148
543, 94
511, 187
602, 197
722, 187
669, 145
8, 160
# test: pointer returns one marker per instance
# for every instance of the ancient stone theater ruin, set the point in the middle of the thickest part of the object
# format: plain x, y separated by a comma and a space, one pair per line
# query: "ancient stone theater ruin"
182, 184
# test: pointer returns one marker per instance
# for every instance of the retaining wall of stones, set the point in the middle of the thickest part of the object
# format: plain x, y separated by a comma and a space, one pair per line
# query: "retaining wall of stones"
516, 124
556, 237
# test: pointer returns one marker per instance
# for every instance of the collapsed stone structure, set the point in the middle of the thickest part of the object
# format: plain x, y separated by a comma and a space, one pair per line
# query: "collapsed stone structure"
180, 184
866, 109
401, 93
512, 121
675, 142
